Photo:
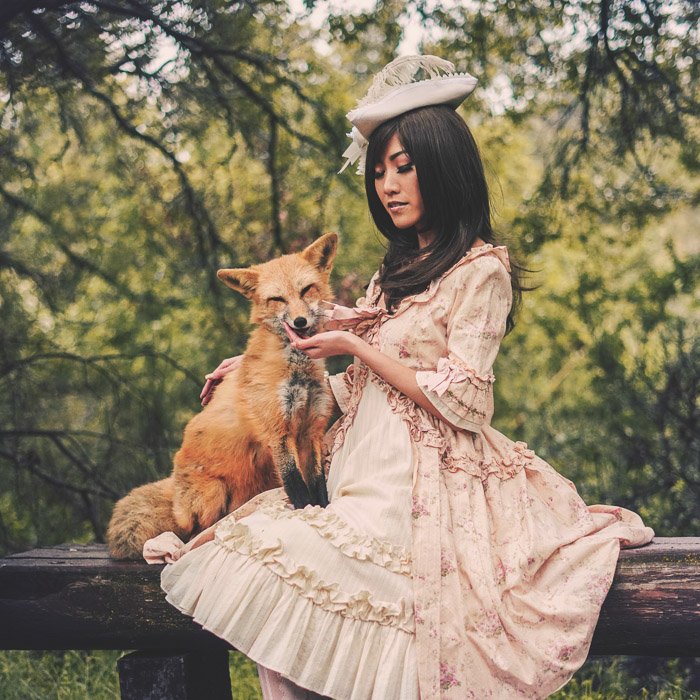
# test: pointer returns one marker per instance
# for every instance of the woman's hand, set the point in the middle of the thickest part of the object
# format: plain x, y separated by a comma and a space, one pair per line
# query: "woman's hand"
214, 378
326, 344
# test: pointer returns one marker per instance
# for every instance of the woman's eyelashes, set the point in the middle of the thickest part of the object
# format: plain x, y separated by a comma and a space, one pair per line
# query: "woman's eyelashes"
379, 174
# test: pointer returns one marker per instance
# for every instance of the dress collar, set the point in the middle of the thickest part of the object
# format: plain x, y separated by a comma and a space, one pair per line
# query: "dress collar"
375, 299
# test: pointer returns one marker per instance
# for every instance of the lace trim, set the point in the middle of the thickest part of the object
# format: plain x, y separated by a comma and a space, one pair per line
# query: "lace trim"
358, 381
466, 407
353, 544
327, 596
419, 427
422, 431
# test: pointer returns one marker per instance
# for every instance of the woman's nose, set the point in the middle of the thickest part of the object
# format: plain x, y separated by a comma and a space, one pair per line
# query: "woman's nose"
391, 184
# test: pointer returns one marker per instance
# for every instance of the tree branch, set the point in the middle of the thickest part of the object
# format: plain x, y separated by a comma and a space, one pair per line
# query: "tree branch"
96, 359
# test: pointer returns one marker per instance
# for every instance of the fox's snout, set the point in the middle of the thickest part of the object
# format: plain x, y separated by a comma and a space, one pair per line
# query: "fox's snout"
301, 321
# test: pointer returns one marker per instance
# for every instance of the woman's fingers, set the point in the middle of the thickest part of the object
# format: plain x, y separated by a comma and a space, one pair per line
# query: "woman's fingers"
208, 390
228, 365
293, 337
205, 389
213, 379
229, 361
302, 343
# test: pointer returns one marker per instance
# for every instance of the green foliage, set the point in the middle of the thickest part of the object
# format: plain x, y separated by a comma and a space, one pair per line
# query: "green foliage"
619, 678
116, 214
244, 678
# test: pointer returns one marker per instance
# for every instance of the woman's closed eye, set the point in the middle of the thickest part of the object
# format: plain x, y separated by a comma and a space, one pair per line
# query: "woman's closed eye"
379, 174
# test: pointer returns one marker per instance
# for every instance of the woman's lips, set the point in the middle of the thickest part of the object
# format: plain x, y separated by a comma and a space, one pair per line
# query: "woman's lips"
395, 207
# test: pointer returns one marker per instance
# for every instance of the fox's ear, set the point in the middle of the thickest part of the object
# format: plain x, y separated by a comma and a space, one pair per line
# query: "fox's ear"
322, 251
243, 280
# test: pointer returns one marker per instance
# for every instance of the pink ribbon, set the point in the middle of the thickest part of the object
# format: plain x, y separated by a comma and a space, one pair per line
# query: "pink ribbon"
445, 375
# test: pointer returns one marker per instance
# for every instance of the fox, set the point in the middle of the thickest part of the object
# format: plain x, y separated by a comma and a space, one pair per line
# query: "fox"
265, 423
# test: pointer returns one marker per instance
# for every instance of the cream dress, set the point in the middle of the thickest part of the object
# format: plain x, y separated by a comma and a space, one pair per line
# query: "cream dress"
449, 563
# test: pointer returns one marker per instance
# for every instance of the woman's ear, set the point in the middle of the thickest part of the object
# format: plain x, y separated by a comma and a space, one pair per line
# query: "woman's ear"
321, 252
243, 280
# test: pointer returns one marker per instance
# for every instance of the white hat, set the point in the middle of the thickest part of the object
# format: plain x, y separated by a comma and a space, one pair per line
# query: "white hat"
395, 91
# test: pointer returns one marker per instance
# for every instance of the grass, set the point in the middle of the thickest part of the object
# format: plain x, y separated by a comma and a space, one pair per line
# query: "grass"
83, 675
627, 677
49, 675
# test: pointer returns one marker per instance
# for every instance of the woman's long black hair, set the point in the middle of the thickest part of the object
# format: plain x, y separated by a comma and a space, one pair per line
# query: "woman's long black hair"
455, 197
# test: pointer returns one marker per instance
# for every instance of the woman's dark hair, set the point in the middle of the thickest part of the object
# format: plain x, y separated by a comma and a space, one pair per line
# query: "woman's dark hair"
455, 196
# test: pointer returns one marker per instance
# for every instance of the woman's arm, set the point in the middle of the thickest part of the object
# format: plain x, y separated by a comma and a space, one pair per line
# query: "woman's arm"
344, 343
398, 375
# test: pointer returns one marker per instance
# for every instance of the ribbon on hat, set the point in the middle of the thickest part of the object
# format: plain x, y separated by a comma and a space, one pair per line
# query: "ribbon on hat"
357, 149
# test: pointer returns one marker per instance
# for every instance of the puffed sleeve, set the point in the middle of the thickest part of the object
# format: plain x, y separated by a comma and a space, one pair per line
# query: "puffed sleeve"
461, 386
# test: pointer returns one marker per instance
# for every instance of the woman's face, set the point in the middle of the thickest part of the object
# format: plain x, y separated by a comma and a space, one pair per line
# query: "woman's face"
396, 182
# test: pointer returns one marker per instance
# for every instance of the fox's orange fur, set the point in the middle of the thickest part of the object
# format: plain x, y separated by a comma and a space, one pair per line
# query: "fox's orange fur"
265, 422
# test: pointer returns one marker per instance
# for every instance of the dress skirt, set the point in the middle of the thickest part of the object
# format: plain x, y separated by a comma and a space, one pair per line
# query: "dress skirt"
322, 596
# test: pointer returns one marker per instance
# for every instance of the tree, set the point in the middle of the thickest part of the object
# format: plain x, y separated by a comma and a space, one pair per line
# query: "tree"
145, 145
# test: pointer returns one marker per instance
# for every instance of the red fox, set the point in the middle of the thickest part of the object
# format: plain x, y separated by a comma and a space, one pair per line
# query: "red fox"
265, 423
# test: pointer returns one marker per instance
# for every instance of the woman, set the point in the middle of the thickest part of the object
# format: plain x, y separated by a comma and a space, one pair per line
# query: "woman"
451, 561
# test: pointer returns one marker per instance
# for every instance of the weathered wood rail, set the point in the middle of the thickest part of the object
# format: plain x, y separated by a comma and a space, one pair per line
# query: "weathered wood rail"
76, 597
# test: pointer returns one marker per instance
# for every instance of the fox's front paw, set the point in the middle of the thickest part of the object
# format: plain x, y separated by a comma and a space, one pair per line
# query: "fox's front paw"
296, 489
319, 492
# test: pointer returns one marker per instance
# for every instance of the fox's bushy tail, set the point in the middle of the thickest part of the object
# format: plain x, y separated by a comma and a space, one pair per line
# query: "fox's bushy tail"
142, 514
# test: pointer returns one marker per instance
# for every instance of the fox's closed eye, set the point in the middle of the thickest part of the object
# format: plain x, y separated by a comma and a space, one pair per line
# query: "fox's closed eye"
307, 288
282, 299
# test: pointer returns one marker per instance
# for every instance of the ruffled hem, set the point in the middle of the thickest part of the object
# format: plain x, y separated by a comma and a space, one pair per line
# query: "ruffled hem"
343, 537
264, 617
237, 537
504, 467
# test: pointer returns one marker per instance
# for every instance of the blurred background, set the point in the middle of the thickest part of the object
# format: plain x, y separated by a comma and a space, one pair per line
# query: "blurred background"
145, 144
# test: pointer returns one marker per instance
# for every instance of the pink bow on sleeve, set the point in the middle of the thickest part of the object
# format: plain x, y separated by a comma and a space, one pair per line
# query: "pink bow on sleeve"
449, 372
444, 375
